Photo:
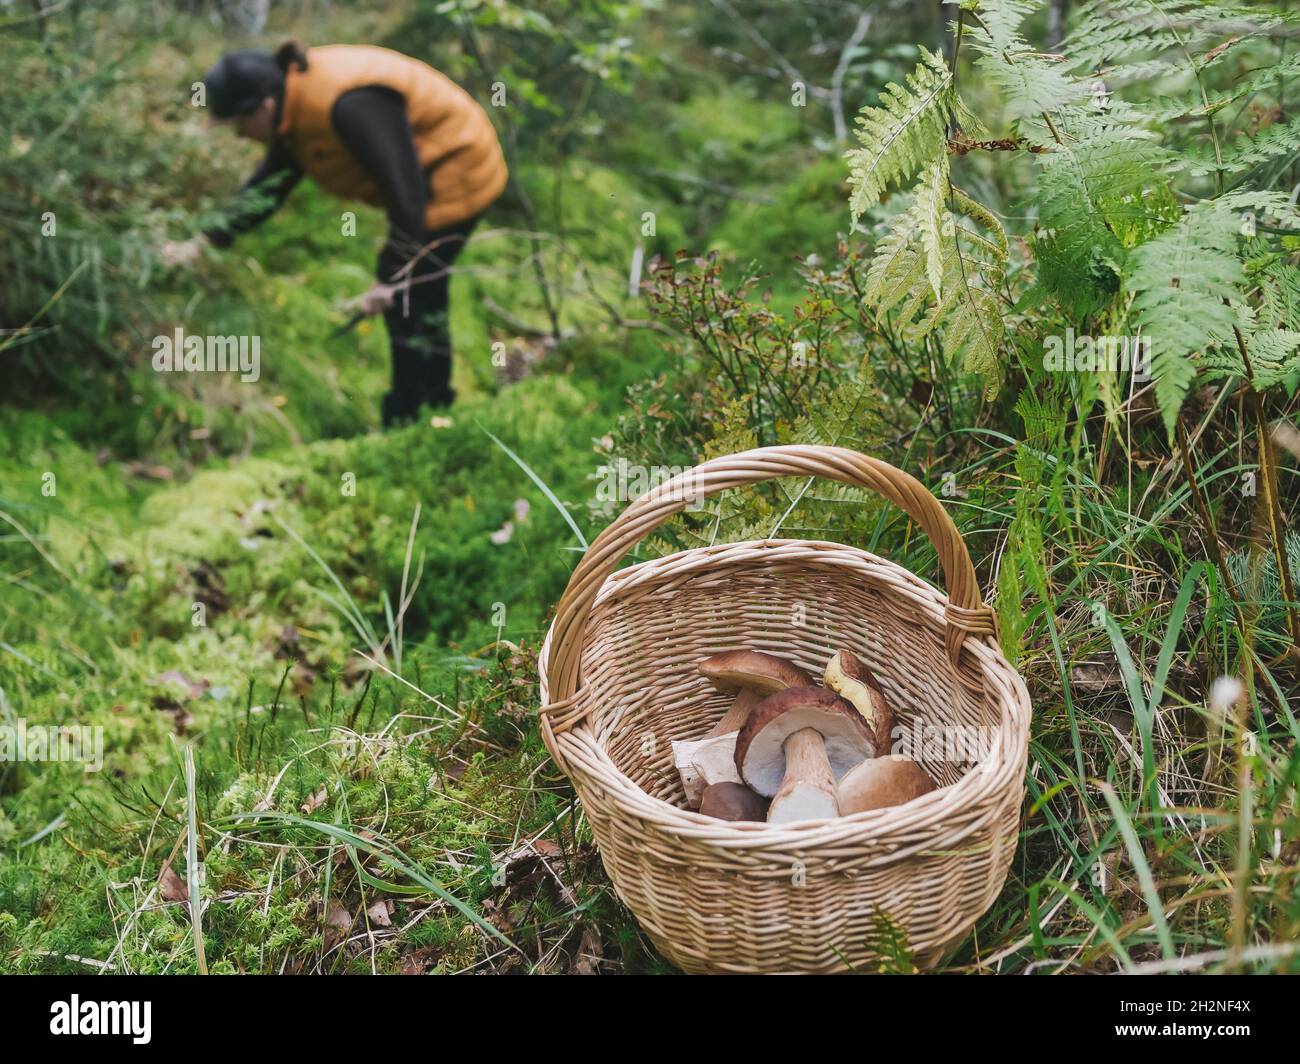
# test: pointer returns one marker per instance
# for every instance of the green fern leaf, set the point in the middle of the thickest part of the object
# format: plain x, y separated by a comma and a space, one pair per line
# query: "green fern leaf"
1271, 142
972, 255
1274, 357
1109, 35
1181, 282
1092, 197
903, 134
932, 219
1030, 82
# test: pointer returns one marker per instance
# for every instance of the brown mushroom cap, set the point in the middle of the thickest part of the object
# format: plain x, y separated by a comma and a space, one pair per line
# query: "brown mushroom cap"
765, 673
847, 674
882, 782
760, 756
733, 801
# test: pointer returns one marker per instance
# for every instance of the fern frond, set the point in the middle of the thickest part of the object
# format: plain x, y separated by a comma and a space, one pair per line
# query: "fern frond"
1277, 282
1271, 142
892, 273
1109, 33
1030, 82
972, 255
1275, 207
1181, 282
849, 417
1092, 198
973, 331
906, 132
1274, 358
932, 217
1264, 80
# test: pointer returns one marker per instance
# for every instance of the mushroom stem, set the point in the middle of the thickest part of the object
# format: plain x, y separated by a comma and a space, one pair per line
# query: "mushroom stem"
808, 788
738, 712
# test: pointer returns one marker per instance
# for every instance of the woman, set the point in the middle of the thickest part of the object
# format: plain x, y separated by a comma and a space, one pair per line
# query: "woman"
377, 126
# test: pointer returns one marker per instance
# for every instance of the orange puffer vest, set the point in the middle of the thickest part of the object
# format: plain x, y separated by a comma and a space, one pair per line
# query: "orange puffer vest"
454, 139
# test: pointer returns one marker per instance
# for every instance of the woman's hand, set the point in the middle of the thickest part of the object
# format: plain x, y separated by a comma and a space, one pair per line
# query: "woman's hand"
378, 299
181, 252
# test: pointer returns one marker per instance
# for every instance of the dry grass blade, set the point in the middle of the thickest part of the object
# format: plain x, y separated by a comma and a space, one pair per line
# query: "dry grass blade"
192, 876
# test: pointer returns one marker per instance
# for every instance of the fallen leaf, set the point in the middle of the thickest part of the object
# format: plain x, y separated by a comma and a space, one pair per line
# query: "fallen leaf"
590, 953
497, 916
416, 961
315, 801
172, 886
338, 922
149, 472
193, 688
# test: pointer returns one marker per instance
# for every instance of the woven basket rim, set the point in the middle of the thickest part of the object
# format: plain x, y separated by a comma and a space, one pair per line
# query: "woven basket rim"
928, 814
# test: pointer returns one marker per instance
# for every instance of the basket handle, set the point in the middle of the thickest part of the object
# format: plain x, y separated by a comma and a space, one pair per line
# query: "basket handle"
967, 613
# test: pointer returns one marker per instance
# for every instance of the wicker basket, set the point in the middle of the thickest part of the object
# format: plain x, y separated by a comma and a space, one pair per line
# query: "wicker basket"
619, 683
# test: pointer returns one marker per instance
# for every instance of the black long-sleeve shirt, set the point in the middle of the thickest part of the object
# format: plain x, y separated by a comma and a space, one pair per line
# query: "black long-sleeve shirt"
372, 124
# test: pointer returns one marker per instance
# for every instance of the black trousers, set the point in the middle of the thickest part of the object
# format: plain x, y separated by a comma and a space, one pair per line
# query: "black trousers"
419, 328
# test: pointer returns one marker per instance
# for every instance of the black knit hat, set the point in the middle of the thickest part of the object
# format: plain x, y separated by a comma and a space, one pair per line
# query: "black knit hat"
240, 81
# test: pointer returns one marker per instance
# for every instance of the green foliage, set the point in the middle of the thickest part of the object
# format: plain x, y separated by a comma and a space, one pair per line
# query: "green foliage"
1030, 82
1112, 245
946, 266
904, 134
1275, 358
1091, 197
1183, 282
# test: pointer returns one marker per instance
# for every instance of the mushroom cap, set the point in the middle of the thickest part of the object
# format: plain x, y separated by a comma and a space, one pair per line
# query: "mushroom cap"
882, 782
760, 754
733, 801
765, 673
847, 674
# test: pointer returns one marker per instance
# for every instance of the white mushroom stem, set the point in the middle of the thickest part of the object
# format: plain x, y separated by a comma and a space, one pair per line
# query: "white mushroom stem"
738, 712
808, 788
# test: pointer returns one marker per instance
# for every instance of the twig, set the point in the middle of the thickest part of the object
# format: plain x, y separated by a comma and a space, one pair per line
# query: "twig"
842, 69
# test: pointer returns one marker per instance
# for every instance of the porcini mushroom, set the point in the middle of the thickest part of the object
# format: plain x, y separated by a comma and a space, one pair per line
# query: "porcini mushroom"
701, 762
737, 713
880, 783
764, 673
796, 744
752, 675
732, 801
847, 675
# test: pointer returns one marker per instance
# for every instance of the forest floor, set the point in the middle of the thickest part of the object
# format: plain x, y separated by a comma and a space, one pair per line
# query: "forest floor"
311, 644
216, 572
